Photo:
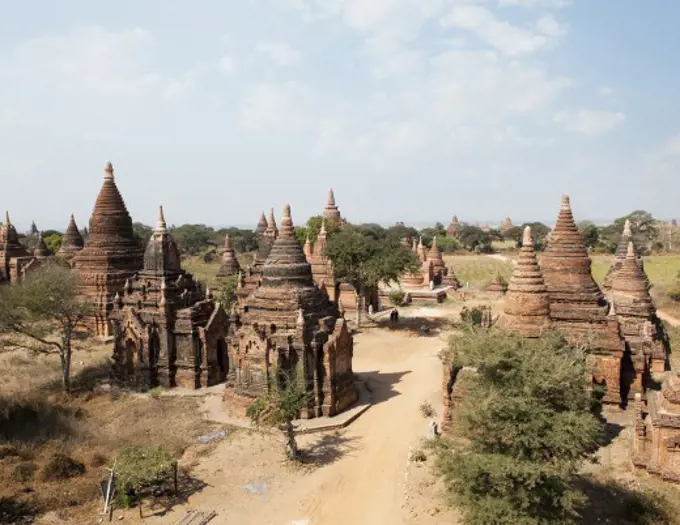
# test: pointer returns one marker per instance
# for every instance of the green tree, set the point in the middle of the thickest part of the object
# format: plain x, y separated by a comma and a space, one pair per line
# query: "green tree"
448, 244
474, 238
364, 257
226, 291
279, 406
142, 233
193, 238
642, 225
53, 241
589, 233
312, 229
399, 231
241, 240
42, 313
528, 419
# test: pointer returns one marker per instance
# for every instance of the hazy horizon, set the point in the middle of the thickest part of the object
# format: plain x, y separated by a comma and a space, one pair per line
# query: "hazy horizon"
411, 110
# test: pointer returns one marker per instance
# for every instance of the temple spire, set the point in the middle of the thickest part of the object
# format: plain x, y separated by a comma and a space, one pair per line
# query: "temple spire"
286, 230
331, 198
108, 171
527, 239
161, 227
627, 232
7, 221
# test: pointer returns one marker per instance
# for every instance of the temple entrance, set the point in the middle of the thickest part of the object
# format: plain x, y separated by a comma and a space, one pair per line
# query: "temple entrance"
222, 359
154, 354
130, 358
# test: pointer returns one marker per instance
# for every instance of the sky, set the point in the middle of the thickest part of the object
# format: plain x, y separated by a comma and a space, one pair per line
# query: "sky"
412, 110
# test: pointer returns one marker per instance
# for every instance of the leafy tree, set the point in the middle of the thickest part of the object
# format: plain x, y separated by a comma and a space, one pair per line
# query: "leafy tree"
226, 292
142, 233
53, 241
312, 229
589, 233
279, 406
643, 226
539, 232
528, 419
474, 238
448, 244
365, 257
42, 314
241, 240
399, 231
193, 238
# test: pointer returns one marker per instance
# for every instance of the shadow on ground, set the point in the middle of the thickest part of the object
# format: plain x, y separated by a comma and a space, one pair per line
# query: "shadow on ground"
161, 499
16, 512
381, 385
35, 419
327, 449
85, 380
420, 326
612, 503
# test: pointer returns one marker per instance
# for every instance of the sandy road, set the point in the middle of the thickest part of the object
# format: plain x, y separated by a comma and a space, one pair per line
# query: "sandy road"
364, 481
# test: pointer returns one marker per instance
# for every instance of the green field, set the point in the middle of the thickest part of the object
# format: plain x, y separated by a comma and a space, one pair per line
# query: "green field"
478, 270
662, 270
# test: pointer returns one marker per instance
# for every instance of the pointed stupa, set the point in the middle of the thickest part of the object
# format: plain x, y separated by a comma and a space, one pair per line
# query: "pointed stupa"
453, 227
287, 284
33, 230
435, 255
414, 246
421, 253
41, 252
321, 240
307, 248
272, 231
161, 256
331, 212
630, 291
111, 253
261, 225
230, 265
71, 242
10, 247
577, 306
620, 256
527, 307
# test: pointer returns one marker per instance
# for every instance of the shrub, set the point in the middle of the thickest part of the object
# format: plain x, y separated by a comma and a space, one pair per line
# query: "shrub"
140, 466
156, 392
61, 466
527, 418
24, 471
98, 460
448, 244
397, 297
426, 409
472, 316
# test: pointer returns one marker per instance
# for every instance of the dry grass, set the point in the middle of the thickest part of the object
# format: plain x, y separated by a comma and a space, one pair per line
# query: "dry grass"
206, 272
478, 270
39, 424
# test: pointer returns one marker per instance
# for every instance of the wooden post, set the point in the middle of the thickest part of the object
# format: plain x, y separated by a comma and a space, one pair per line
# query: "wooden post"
174, 468
139, 503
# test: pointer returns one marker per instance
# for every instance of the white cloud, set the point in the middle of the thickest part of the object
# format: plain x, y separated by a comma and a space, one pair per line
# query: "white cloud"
536, 3
93, 60
280, 52
606, 91
227, 65
590, 122
508, 39
273, 107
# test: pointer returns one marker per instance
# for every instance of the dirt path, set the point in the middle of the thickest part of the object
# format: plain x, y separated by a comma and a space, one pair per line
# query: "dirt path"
359, 475
667, 318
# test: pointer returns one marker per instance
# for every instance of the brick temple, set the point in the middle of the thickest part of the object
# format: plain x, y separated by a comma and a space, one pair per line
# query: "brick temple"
167, 330
72, 242
110, 257
287, 323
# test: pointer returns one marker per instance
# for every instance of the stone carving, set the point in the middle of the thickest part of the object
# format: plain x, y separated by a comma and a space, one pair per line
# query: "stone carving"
643, 332
577, 306
527, 306
656, 439
111, 254
166, 330
289, 324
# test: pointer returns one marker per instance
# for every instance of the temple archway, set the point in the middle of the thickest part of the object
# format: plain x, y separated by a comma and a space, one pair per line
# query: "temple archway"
222, 358
154, 355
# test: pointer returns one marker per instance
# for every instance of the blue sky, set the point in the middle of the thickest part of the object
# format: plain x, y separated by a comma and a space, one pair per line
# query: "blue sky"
411, 110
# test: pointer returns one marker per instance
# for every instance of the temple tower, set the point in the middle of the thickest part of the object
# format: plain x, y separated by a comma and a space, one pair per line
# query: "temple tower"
527, 306
261, 225
110, 256
577, 306
71, 242
331, 213
230, 265
13, 254
620, 256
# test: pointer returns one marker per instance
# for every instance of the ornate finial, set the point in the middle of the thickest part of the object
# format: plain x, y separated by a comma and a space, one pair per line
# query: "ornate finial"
286, 223
7, 221
160, 225
128, 285
108, 171
527, 239
565, 202
626, 229
323, 226
631, 251
331, 199
300, 318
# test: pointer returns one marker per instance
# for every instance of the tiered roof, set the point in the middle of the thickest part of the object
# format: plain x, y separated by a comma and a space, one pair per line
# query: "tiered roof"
230, 265
527, 307
331, 212
620, 257
71, 242
161, 256
630, 291
41, 251
261, 225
